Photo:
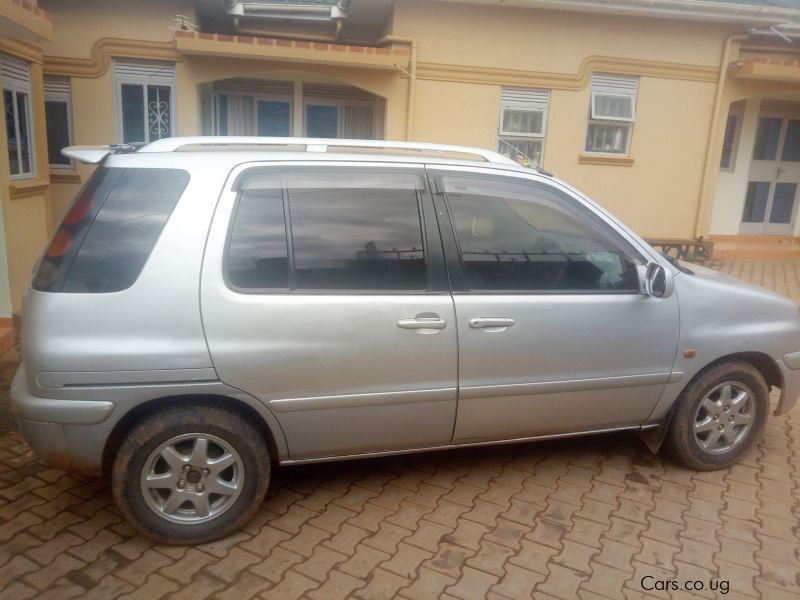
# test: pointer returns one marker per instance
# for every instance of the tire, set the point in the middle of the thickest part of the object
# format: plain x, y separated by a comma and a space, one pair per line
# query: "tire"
178, 489
716, 434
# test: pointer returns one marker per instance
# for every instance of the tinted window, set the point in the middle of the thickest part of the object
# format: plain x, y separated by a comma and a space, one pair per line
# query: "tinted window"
353, 230
530, 237
127, 226
257, 256
57, 118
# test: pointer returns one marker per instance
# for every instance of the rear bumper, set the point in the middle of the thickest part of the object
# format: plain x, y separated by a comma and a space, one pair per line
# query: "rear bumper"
60, 431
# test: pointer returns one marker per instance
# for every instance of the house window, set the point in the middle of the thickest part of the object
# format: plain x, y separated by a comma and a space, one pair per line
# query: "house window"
338, 119
731, 138
248, 115
58, 115
145, 100
17, 111
612, 112
523, 120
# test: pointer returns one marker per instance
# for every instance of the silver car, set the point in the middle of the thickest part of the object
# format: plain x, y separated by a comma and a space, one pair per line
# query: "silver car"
211, 307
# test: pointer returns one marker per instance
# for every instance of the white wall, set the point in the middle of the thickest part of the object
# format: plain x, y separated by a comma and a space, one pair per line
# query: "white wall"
732, 185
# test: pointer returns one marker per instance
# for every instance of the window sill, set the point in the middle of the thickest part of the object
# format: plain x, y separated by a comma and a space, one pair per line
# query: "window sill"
24, 188
610, 160
64, 177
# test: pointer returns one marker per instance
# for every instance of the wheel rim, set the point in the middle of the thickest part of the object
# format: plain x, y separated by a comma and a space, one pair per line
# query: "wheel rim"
192, 478
724, 417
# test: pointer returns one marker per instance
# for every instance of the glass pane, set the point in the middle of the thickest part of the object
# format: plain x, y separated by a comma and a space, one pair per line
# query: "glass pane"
126, 229
357, 123
222, 115
257, 257
606, 137
273, 118
612, 107
321, 121
522, 121
727, 142
755, 204
133, 113
791, 144
526, 236
525, 152
11, 131
159, 119
783, 203
767, 135
357, 238
57, 131
23, 143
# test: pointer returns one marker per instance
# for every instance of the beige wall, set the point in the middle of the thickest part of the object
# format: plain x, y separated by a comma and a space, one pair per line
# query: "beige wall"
658, 194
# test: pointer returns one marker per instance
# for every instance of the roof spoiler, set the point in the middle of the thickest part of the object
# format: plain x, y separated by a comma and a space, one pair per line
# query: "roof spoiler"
92, 155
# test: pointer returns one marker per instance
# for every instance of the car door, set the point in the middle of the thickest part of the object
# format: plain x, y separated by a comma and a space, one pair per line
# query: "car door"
554, 334
325, 295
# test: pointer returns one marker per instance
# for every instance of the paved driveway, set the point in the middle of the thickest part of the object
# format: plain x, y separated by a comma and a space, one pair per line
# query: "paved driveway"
591, 518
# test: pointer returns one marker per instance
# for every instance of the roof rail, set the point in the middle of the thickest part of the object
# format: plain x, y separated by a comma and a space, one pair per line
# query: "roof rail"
317, 145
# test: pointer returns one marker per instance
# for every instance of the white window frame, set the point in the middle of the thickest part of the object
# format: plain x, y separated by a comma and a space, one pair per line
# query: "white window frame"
20, 84
524, 100
339, 104
256, 97
59, 89
144, 73
617, 86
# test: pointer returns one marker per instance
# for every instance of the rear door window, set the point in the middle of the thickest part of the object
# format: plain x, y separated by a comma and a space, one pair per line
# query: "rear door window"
350, 230
104, 241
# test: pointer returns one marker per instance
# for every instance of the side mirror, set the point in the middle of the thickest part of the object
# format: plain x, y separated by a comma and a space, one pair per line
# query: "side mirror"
658, 281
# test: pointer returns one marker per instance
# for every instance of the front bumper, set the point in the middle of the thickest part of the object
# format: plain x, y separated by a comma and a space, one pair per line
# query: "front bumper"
790, 370
61, 432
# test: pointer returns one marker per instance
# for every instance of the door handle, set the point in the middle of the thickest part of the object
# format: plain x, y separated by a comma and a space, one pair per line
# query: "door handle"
422, 323
486, 322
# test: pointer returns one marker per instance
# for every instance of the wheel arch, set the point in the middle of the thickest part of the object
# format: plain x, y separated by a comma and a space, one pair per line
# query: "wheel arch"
139, 412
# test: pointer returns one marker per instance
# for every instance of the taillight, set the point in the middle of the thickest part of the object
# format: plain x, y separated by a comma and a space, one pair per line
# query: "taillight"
60, 244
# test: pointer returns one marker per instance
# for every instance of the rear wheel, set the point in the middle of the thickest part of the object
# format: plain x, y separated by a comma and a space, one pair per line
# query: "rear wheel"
719, 416
191, 474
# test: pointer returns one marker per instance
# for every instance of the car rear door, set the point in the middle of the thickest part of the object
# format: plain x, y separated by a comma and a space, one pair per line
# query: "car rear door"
325, 295
554, 335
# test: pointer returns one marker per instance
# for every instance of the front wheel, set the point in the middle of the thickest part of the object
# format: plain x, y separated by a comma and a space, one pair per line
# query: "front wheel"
719, 416
191, 474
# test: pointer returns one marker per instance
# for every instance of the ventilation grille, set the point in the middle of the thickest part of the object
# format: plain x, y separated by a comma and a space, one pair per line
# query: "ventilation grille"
525, 98
16, 73
57, 86
615, 84
147, 71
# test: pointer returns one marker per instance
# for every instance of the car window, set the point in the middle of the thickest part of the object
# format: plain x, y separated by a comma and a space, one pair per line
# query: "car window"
348, 230
110, 230
525, 236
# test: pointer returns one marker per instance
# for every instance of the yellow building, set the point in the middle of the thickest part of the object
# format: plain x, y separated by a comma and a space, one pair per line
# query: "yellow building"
682, 117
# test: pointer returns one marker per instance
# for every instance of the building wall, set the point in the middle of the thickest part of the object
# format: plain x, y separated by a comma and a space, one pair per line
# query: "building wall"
465, 61
27, 216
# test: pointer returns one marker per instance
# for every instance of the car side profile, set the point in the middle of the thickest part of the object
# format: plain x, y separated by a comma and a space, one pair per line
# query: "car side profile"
210, 308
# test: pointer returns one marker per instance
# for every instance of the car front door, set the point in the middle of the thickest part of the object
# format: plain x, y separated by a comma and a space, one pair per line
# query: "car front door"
325, 295
554, 334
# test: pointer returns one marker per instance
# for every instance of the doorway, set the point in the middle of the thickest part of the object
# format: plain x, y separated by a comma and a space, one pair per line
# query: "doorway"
771, 198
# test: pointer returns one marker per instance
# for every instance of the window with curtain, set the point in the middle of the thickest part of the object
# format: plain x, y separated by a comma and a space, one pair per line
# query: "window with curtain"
612, 113
523, 120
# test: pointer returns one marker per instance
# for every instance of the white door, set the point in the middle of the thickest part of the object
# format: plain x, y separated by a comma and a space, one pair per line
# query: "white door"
772, 190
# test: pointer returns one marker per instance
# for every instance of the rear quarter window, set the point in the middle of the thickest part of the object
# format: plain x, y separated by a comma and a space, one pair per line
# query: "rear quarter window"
104, 241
